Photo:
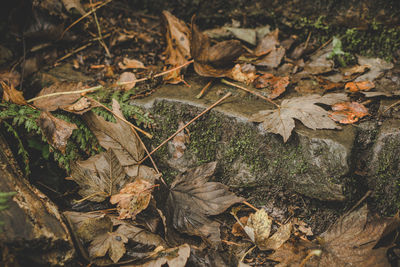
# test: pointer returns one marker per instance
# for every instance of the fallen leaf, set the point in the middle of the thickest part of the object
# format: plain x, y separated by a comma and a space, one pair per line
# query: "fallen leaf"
11, 94
178, 45
292, 253
99, 177
127, 80
258, 227
118, 136
140, 236
191, 199
128, 63
132, 199
350, 72
268, 43
11, 76
277, 84
377, 67
81, 106
111, 242
351, 241
348, 112
304, 108
216, 60
52, 103
319, 62
247, 35
278, 238
237, 229
359, 86
56, 131
174, 257
302, 227
273, 59
244, 74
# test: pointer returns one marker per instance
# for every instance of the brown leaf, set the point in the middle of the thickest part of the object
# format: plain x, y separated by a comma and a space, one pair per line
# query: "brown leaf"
243, 73
291, 253
348, 112
273, 59
174, 257
52, 103
111, 242
81, 106
118, 136
281, 121
359, 86
133, 198
216, 60
191, 199
277, 84
127, 80
128, 63
57, 131
11, 94
99, 177
237, 229
12, 77
351, 72
258, 227
73, 4
178, 45
268, 43
319, 62
351, 241
278, 238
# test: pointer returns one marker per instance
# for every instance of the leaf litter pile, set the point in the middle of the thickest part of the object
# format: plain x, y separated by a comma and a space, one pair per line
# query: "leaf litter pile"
146, 222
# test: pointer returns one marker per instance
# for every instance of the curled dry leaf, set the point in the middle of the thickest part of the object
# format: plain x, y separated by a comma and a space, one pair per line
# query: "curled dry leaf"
52, 103
304, 108
348, 112
359, 86
57, 131
243, 73
178, 45
127, 80
81, 106
213, 60
191, 199
99, 177
11, 94
258, 227
277, 84
133, 198
128, 63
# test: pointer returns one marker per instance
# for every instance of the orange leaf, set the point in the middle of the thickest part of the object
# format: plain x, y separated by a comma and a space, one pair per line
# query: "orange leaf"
359, 86
237, 229
12, 94
278, 84
348, 112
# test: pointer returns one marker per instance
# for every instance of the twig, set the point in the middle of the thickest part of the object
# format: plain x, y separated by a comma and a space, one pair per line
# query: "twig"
204, 89
391, 106
369, 192
84, 16
250, 91
308, 39
119, 117
91, 89
159, 74
101, 41
314, 252
187, 124
251, 206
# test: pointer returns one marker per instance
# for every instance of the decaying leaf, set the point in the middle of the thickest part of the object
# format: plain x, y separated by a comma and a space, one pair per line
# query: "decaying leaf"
81, 106
127, 80
111, 242
73, 4
351, 240
174, 257
118, 136
13, 77
258, 227
270, 51
11, 94
237, 229
319, 62
100, 176
57, 131
267, 43
359, 86
213, 60
377, 67
353, 71
348, 112
278, 238
128, 63
133, 198
243, 73
178, 45
291, 253
52, 103
277, 84
304, 108
191, 199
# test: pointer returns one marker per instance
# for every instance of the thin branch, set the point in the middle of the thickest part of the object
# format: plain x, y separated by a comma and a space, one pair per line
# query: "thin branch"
101, 41
187, 124
204, 89
91, 89
250, 91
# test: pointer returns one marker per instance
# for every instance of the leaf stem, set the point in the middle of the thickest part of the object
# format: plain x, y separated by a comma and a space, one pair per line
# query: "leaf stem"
91, 89
250, 91
186, 125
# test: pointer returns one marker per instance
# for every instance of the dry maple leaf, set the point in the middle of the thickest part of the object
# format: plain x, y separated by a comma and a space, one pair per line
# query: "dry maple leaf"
118, 136
191, 199
133, 198
57, 131
281, 121
213, 60
111, 242
11, 94
351, 241
52, 103
348, 112
100, 176
178, 45
278, 84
